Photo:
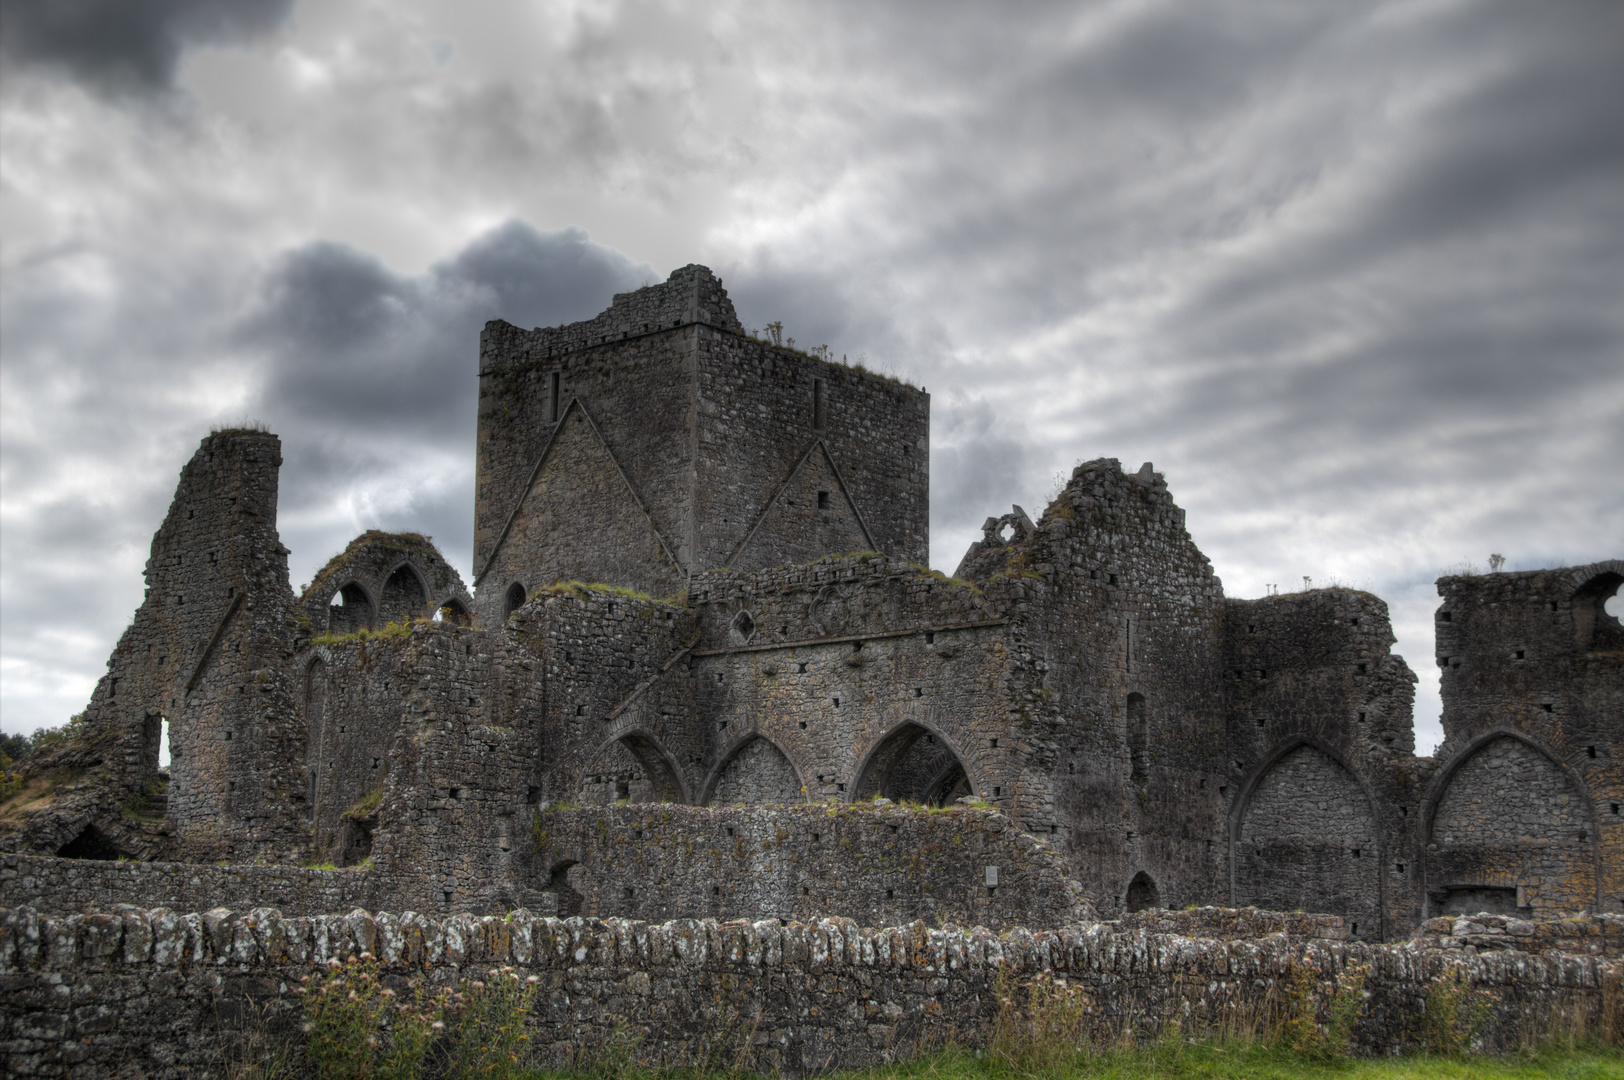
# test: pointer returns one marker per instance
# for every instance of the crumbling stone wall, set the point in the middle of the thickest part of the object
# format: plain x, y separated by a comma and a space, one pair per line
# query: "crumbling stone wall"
354, 705
64, 886
1114, 683
102, 992
879, 864
1537, 656
208, 651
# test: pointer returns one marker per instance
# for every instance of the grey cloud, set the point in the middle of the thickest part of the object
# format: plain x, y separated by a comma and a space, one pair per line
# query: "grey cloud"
122, 45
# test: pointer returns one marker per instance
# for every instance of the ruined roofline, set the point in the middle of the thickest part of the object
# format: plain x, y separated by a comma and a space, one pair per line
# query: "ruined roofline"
691, 295
1576, 575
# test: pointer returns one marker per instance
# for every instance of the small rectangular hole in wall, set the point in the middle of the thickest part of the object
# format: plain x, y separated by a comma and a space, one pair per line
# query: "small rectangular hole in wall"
1404, 811
817, 836
1446, 616
894, 828
995, 744
228, 736
1113, 579
448, 898
730, 830
532, 795
1399, 867
716, 890
918, 692
341, 729
722, 726
997, 791
231, 785
840, 787
1251, 628
1356, 853
801, 668
1071, 768
1361, 718
1590, 751
836, 701
930, 637
718, 676
1260, 721
1355, 930
374, 763
1363, 668
580, 710
1548, 707
456, 793
1615, 807
1553, 605
1356, 622
629, 892
1203, 784
1223, 789
823, 500
1522, 654
890, 894
857, 646
803, 725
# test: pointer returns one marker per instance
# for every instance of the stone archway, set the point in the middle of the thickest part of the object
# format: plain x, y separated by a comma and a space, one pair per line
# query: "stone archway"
632, 768
755, 773
913, 764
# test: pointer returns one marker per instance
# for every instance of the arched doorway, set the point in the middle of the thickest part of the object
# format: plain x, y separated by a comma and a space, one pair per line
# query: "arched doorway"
1142, 893
453, 613
633, 768
756, 773
514, 599
913, 764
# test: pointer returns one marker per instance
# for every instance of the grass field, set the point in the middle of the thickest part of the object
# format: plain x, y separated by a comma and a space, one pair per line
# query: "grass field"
1213, 1061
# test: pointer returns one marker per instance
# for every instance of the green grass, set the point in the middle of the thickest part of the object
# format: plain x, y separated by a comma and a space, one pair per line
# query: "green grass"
1172, 1059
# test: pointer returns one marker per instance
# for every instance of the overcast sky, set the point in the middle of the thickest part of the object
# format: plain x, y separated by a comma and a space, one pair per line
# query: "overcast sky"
1351, 275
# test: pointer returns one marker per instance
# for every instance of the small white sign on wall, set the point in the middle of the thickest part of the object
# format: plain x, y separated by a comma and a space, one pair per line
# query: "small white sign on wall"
992, 876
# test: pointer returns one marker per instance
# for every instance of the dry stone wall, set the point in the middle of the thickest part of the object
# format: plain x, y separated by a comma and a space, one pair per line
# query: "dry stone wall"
98, 994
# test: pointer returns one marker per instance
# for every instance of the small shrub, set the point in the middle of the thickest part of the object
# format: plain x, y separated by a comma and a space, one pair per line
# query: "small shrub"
358, 1028
1455, 1014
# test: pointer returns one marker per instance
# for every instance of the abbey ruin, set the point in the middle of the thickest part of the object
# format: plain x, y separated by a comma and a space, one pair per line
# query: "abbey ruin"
702, 670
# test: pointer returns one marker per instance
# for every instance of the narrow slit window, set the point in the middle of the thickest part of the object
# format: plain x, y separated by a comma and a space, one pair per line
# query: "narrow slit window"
552, 398
819, 409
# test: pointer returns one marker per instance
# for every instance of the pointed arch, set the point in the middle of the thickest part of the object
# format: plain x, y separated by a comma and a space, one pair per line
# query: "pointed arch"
404, 596
1304, 835
911, 761
757, 768
353, 608
632, 759
1506, 814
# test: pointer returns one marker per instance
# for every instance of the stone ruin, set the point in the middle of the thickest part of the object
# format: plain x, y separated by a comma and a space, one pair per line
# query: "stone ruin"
705, 672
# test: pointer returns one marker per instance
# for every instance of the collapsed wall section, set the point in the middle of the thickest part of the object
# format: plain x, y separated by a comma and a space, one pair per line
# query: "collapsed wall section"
1115, 689
206, 658
1324, 795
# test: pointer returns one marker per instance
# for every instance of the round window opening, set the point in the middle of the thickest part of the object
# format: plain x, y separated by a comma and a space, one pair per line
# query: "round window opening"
743, 628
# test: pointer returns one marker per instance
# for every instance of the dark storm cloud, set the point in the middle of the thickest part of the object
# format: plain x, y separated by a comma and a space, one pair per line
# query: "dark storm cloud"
367, 370
127, 44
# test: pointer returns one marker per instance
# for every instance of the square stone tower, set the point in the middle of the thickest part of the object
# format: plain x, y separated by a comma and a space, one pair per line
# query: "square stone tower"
659, 439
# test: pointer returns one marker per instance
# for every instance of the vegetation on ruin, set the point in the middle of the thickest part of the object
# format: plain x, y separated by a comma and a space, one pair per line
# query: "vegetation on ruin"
393, 630
773, 334
240, 427
583, 590
366, 805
